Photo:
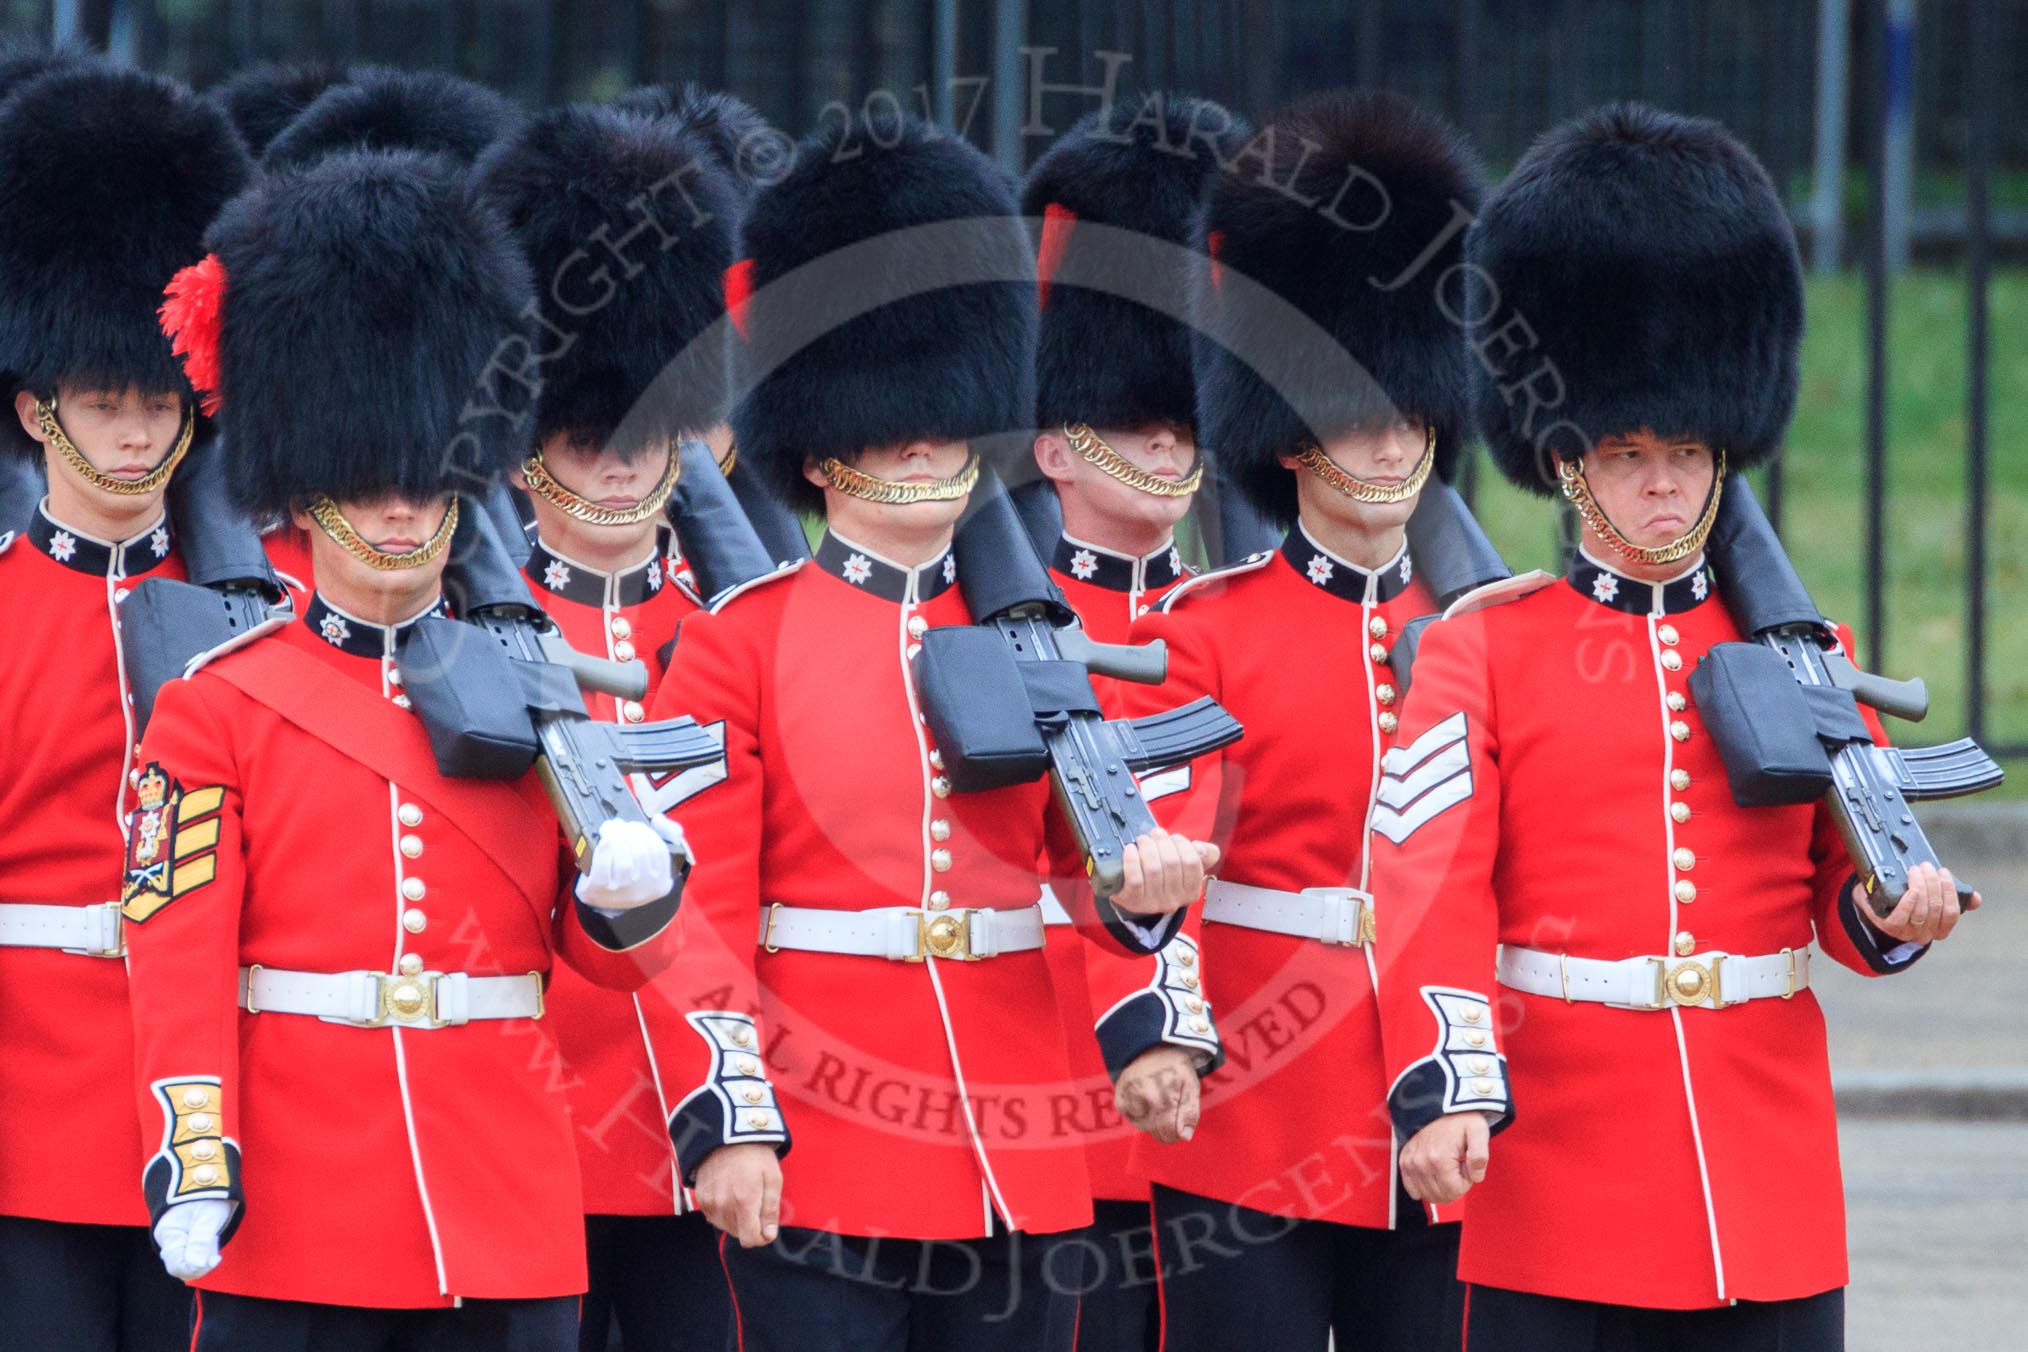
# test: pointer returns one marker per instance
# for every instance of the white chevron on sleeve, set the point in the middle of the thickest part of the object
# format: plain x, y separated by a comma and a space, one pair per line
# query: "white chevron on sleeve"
1161, 783
687, 784
1424, 779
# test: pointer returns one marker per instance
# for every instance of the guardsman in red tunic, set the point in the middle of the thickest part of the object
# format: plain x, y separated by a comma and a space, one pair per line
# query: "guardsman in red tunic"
1117, 198
338, 954
1556, 793
1330, 398
107, 180
601, 464
890, 1006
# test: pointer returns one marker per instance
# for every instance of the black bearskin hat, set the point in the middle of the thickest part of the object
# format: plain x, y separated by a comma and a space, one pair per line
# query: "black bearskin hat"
1102, 358
263, 100
1658, 276
21, 62
870, 348
385, 109
653, 191
748, 149
364, 301
1327, 208
108, 179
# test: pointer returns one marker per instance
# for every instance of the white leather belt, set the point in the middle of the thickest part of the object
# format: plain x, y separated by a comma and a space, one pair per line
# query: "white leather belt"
1330, 915
382, 999
94, 931
1053, 912
902, 933
1710, 980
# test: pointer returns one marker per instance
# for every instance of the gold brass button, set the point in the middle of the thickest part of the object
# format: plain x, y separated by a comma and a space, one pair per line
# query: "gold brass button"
940, 829
1186, 959
414, 921
1679, 730
1676, 702
753, 1096
621, 628
742, 1036
1686, 891
632, 711
1388, 722
1200, 1026
1384, 693
748, 1066
1378, 652
1688, 983
409, 815
1474, 1014
940, 860
1475, 1039
917, 626
1481, 1066
1686, 944
1377, 626
1672, 660
1194, 1005
194, 1098
411, 846
1679, 780
936, 759
1679, 812
1189, 983
1667, 633
204, 1150
941, 787
199, 1122
413, 888
623, 651
1684, 859
940, 900
1482, 1088
406, 999
410, 964
204, 1175
758, 1122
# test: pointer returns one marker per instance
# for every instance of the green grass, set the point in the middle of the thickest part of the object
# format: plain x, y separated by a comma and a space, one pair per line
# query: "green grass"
1824, 476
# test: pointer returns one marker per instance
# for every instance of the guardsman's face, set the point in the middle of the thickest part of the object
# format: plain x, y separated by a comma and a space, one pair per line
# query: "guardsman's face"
602, 477
920, 461
1651, 488
1385, 455
125, 434
1166, 450
392, 524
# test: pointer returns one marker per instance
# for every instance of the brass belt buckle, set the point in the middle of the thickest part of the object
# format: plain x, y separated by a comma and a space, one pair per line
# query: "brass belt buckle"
1693, 981
407, 1000
943, 934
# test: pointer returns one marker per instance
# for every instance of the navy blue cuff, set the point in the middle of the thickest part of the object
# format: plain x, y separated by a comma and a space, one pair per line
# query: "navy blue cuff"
1171, 1011
1868, 940
631, 929
735, 1105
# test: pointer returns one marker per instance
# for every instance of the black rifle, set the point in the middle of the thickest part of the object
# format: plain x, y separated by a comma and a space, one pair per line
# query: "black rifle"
718, 537
1784, 712
1451, 554
1009, 699
1041, 513
231, 593
499, 690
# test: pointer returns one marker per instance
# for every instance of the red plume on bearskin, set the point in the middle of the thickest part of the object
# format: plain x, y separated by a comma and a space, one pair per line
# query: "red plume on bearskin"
193, 315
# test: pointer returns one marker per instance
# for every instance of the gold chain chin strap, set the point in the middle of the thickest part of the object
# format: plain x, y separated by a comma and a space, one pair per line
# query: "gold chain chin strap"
856, 484
1094, 449
326, 514
1313, 459
731, 461
45, 414
544, 484
1578, 491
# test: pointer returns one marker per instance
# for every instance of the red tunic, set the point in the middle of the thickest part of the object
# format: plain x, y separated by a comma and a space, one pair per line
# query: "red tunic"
66, 1038
1108, 591
620, 1113
923, 1097
1295, 644
382, 1166
1557, 789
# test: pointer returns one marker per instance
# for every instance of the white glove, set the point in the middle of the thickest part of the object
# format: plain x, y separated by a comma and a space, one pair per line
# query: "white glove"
187, 1236
630, 867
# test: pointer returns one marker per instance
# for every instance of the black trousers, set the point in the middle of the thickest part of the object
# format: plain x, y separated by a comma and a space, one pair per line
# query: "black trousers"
87, 1288
1121, 1305
1520, 1321
1233, 1277
228, 1323
656, 1286
811, 1289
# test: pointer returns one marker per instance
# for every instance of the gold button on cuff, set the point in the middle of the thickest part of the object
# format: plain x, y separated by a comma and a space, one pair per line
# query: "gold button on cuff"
1686, 944
204, 1175
1482, 1088
940, 900
632, 711
409, 814
1679, 813
1378, 652
1377, 626
1686, 891
748, 1066
1189, 983
204, 1150
1672, 660
758, 1122
1676, 702
621, 627
1481, 1066
414, 921
1194, 1005
753, 1095
1475, 1039
1667, 633
1679, 780
1384, 692
1200, 1026
199, 1122
1473, 1015
1679, 730
1388, 722
411, 964
940, 860
411, 846
413, 889
941, 787
1186, 959
194, 1098
741, 1037
623, 651
1684, 859
940, 829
